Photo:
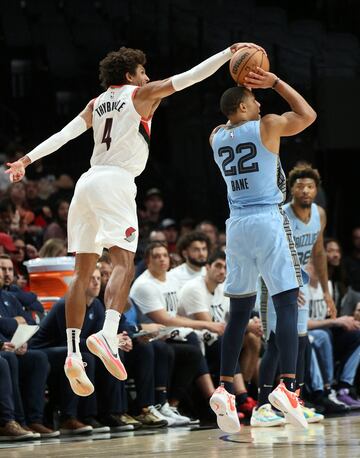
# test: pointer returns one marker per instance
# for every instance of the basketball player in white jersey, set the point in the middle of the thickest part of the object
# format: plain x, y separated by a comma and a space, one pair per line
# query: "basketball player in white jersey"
103, 210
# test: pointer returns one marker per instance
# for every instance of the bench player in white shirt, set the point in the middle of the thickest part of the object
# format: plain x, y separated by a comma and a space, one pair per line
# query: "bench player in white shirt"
194, 248
103, 210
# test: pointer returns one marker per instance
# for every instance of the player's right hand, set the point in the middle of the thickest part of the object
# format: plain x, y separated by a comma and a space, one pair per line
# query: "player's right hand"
16, 171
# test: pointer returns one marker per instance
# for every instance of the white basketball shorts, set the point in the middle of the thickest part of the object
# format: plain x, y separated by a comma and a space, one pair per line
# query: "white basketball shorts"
102, 213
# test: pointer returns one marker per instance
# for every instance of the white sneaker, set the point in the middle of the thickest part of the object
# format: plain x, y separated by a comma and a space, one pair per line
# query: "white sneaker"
264, 416
223, 404
171, 412
107, 350
75, 372
287, 402
333, 397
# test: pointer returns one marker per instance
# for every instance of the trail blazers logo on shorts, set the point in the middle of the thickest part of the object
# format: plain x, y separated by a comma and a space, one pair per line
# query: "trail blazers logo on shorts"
130, 234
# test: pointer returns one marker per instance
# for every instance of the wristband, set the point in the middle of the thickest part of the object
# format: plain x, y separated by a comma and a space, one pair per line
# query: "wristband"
275, 83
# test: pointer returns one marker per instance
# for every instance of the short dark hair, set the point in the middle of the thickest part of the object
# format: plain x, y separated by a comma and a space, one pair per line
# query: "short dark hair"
303, 171
231, 99
5, 256
187, 239
113, 68
218, 254
151, 246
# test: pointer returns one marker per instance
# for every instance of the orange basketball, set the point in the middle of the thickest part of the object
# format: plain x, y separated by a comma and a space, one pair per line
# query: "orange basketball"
246, 60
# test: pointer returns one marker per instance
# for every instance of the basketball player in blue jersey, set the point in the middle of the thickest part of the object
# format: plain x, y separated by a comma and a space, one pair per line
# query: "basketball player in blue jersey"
259, 238
102, 213
308, 222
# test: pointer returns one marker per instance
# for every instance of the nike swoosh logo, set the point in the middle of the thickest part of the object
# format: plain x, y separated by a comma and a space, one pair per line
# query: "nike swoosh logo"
107, 343
291, 397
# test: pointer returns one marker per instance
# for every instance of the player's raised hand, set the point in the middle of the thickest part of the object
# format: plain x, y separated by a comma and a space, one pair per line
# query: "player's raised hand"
16, 170
260, 79
236, 46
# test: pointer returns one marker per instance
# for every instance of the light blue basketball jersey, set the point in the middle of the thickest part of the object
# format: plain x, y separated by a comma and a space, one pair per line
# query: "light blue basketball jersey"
305, 234
252, 173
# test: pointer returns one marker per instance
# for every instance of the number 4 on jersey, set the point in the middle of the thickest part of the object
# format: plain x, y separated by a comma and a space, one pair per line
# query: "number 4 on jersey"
107, 131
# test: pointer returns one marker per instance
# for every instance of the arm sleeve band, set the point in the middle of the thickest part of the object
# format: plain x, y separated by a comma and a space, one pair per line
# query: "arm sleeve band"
201, 71
72, 130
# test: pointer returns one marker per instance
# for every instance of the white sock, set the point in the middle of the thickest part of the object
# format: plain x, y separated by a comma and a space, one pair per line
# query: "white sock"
73, 340
111, 323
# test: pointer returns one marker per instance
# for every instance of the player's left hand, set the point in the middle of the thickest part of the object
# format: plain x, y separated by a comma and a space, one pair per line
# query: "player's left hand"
330, 305
16, 171
260, 79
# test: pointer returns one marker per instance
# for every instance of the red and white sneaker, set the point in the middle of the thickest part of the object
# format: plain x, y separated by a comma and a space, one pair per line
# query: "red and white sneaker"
102, 347
288, 403
75, 372
223, 404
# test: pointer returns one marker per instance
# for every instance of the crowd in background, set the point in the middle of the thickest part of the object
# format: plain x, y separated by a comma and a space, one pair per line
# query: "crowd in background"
177, 294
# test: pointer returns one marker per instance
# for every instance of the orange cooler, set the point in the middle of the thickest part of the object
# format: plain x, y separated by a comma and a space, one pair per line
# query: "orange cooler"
50, 278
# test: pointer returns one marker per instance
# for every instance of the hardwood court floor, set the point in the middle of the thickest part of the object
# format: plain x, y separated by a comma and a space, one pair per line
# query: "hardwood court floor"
334, 438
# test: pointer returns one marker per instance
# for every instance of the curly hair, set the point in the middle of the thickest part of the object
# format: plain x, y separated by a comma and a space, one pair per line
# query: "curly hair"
187, 239
303, 171
113, 68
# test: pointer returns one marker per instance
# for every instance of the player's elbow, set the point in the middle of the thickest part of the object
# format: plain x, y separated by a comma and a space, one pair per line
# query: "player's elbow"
310, 116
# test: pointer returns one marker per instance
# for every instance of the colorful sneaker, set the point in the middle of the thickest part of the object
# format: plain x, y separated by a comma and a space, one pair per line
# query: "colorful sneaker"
286, 401
171, 412
265, 416
247, 407
107, 350
343, 395
75, 372
311, 415
223, 404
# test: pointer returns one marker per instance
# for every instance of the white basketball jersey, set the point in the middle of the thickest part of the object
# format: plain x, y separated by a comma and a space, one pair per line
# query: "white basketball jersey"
121, 136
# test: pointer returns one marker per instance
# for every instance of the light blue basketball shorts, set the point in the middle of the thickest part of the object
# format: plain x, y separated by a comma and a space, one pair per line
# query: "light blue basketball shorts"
303, 315
259, 241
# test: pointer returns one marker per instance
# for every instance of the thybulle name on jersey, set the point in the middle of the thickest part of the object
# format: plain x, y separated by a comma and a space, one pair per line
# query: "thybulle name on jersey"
106, 107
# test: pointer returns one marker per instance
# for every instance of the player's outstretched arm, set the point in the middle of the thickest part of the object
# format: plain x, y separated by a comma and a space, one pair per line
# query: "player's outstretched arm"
76, 127
150, 93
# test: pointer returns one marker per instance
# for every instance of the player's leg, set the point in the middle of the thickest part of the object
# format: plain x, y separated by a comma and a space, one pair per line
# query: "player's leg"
263, 415
240, 286
75, 307
104, 343
280, 268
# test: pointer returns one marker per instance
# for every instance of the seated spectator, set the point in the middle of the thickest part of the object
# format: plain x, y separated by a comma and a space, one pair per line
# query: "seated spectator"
19, 256
156, 295
53, 248
32, 307
209, 229
202, 298
10, 429
194, 250
336, 272
186, 225
155, 236
352, 269
29, 368
58, 228
169, 227
153, 204
335, 340
78, 417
